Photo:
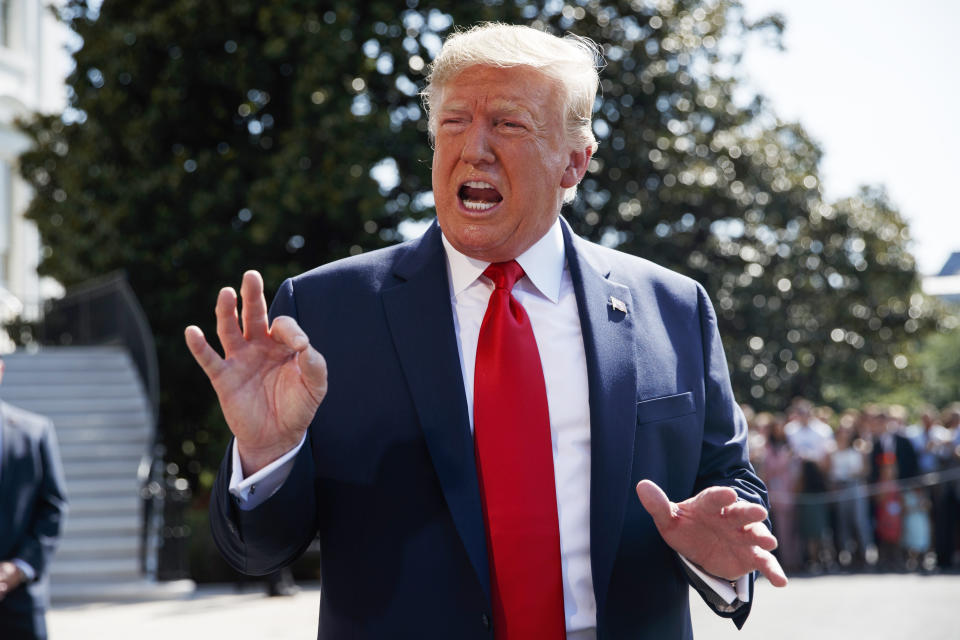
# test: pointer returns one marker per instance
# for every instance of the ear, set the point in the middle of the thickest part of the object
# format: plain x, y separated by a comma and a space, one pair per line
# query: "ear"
576, 167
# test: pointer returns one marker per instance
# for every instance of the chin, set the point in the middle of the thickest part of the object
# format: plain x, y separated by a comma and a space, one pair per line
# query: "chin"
478, 248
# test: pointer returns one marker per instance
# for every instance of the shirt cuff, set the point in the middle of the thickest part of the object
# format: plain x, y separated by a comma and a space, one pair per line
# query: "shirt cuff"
28, 572
723, 588
253, 491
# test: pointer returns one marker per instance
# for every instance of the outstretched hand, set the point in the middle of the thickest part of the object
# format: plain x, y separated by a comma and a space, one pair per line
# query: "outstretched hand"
714, 531
270, 380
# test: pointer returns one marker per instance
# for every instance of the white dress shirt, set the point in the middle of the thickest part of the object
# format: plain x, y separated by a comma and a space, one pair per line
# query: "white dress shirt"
810, 440
547, 295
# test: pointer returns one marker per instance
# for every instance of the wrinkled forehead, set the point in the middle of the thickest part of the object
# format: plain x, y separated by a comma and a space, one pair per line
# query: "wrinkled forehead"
520, 85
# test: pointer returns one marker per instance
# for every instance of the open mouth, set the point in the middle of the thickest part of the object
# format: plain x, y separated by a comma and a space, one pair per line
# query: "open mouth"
479, 196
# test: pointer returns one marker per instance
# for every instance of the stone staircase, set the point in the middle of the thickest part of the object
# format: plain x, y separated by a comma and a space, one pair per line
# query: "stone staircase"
103, 422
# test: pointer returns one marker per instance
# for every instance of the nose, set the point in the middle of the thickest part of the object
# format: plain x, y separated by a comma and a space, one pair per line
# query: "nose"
476, 145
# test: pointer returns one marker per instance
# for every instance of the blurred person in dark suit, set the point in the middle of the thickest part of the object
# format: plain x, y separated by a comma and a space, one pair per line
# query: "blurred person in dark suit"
33, 504
890, 442
892, 458
930, 439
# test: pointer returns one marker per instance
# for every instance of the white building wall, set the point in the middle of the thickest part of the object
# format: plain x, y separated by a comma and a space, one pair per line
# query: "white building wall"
33, 66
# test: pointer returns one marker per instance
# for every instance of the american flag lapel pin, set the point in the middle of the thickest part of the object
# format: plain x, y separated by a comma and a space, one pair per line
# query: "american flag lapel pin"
618, 304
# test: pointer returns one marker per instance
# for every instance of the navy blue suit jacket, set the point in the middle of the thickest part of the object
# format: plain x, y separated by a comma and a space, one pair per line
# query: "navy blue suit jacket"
387, 478
33, 504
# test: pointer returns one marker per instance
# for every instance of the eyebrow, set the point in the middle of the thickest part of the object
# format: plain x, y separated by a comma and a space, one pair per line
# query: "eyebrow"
497, 106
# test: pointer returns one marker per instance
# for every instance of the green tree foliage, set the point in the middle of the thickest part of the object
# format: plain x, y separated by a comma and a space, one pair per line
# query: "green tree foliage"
933, 379
203, 139
940, 364
811, 295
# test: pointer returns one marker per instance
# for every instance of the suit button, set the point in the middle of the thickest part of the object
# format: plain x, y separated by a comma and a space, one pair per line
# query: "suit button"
485, 619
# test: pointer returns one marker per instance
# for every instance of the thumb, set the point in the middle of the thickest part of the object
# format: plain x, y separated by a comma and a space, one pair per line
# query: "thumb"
656, 502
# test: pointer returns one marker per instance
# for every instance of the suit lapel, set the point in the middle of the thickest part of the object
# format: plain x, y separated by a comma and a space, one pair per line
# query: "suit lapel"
420, 317
606, 320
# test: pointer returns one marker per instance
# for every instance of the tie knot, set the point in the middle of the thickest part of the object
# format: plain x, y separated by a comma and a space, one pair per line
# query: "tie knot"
504, 274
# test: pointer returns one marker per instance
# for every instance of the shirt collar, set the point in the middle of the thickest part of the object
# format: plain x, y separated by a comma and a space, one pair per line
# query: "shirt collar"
543, 263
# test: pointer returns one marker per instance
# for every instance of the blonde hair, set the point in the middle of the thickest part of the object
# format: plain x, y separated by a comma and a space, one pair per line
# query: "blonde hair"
571, 61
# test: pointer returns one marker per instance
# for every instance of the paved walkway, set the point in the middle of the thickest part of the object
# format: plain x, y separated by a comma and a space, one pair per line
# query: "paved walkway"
875, 607
886, 607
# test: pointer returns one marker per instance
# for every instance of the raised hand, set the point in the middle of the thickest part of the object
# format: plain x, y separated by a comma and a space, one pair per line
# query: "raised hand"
713, 530
270, 380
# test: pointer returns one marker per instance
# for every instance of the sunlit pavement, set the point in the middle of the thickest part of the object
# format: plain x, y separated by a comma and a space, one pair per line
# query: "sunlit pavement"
878, 607
211, 613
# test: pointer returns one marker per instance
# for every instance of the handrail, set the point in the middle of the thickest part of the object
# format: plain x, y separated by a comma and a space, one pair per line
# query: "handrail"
101, 311
86, 316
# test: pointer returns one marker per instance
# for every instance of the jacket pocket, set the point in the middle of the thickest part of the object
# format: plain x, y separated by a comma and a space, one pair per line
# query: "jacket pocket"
666, 407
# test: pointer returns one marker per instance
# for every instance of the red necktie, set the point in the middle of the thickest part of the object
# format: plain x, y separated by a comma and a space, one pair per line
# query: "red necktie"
515, 464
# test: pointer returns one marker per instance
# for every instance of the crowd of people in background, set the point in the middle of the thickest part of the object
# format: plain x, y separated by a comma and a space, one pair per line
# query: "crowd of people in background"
862, 490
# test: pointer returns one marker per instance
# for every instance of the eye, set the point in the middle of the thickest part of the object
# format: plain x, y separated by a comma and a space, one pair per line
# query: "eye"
511, 124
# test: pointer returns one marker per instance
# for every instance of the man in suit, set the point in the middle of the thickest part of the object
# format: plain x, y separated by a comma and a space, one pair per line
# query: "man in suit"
33, 504
391, 469
889, 443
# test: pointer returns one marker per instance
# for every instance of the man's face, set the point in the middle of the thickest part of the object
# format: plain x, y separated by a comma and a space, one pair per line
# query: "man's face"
502, 160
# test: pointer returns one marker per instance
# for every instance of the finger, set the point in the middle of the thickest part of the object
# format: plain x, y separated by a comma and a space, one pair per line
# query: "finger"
742, 513
758, 535
254, 305
770, 568
716, 499
208, 359
287, 332
313, 367
656, 502
228, 328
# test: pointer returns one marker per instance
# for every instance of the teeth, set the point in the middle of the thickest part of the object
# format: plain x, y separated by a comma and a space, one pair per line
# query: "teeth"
475, 205
478, 185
